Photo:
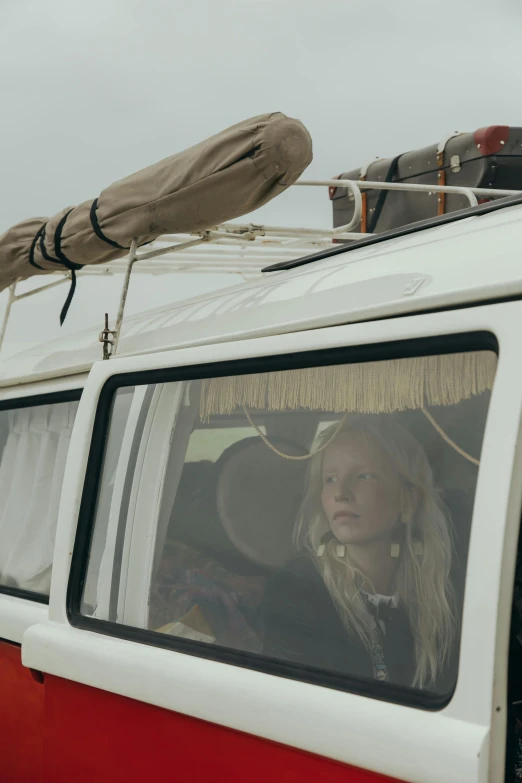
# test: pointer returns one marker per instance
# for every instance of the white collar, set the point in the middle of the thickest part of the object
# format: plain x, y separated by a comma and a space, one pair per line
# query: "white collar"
378, 600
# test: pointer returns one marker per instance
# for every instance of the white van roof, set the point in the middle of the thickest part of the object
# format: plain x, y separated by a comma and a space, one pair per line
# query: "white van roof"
470, 260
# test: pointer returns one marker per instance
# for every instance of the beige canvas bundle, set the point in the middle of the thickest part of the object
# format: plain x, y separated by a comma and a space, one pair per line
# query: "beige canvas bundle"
219, 179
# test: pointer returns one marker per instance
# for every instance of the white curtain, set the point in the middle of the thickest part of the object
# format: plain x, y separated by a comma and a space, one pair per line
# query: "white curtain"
154, 457
31, 476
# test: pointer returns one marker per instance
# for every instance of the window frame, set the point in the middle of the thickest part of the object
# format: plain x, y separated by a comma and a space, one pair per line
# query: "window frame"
470, 341
132, 434
35, 401
140, 533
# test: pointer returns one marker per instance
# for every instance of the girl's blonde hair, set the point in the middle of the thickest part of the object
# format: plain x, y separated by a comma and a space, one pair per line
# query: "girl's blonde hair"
422, 581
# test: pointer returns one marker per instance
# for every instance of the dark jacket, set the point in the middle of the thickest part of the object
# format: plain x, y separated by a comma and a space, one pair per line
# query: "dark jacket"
302, 625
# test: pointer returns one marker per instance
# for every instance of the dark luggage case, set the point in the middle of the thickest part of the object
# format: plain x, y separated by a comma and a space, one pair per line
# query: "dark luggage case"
489, 158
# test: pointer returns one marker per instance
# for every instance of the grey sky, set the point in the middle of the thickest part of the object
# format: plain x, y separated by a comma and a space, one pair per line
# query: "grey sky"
93, 90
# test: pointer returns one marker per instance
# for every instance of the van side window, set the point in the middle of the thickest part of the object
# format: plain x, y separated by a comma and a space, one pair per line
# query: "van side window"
311, 522
34, 441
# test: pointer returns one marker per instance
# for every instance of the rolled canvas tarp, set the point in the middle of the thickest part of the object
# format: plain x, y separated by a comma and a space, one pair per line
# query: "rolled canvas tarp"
219, 179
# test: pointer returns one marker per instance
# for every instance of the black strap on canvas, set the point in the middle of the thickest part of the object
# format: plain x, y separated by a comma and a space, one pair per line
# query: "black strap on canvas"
97, 228
67, 303
33, 246
382, 196
43, 249
61, 258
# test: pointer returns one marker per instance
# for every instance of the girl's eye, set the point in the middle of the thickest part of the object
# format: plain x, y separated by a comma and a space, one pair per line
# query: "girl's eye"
330, 479
366, 476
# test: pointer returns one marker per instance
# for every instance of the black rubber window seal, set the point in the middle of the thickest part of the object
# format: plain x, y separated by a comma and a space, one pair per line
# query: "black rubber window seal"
475, 341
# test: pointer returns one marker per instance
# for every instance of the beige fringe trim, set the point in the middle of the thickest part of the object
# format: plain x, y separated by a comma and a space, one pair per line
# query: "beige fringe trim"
370, 387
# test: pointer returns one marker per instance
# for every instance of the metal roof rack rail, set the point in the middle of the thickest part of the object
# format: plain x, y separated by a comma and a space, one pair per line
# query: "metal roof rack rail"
245, 248
498, 197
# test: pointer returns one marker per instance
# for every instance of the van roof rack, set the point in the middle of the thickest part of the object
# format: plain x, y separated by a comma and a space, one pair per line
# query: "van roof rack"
245, 248
500, 200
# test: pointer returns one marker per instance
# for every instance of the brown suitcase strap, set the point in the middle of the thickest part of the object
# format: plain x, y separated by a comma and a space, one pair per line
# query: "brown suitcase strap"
382, 195
441, 180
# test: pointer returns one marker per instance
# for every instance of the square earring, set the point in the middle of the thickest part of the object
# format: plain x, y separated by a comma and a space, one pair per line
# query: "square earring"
395, 549
340, 550
325, 538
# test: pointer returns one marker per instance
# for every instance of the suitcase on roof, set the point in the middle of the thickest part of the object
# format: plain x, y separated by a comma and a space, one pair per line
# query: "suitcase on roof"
488, 158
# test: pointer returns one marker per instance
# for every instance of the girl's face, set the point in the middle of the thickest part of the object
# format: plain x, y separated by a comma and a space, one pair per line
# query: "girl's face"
361, 491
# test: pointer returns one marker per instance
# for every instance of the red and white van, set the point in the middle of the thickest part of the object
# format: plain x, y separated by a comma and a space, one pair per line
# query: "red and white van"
138, 492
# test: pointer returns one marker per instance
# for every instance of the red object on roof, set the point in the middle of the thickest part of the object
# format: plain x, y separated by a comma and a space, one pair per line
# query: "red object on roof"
491, 139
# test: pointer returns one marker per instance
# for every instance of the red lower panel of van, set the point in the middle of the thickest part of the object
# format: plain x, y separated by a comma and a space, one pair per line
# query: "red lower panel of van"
92, 735
21, 719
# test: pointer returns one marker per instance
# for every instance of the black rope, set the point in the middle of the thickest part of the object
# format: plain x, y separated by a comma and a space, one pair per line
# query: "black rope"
97, 228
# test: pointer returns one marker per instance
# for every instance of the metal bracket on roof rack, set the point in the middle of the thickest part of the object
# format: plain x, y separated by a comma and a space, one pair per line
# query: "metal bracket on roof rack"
14, 297
106, 338
131, 260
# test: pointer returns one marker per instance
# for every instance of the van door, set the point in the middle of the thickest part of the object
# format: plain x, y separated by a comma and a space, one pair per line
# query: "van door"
186, 506
34, 438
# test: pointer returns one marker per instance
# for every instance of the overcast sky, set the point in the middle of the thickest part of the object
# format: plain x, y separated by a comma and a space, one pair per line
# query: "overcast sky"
93, 90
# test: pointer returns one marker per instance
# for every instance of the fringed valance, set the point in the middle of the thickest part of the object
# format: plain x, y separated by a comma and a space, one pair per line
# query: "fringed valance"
368, 387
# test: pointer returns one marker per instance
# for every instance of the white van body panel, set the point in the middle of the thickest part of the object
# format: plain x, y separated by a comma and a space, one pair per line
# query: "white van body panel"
462, 743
